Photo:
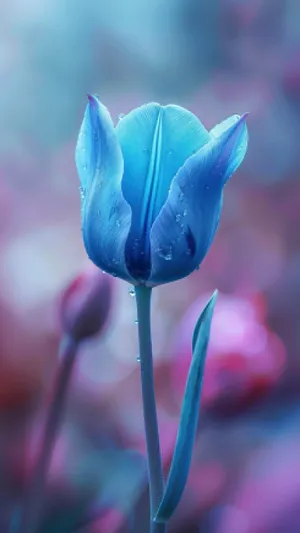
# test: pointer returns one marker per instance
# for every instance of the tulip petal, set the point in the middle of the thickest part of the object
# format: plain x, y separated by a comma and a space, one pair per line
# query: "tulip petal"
106, 216
97, 146
155, 142
220, 129
186, 225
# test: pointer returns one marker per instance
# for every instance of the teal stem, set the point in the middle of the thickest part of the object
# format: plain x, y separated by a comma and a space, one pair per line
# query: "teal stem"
33, 506
155, 470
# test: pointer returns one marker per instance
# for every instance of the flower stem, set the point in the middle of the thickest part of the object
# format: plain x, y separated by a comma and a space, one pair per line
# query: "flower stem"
34, 503
156, 483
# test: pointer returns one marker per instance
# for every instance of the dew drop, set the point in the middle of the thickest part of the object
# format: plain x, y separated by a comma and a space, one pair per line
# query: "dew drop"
138, 359
197, 267
136, 321
165, 253
185, 212
131, 292
121, 115
135, 244
178, 217
82, 193
118, 223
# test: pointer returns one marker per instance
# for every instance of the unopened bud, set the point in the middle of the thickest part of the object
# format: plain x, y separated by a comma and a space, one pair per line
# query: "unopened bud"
85, 304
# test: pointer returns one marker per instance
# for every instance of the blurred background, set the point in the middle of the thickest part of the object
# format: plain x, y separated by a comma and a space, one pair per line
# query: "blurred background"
217, 58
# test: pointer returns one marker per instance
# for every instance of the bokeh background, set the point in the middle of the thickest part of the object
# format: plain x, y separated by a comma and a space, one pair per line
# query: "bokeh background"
216, 57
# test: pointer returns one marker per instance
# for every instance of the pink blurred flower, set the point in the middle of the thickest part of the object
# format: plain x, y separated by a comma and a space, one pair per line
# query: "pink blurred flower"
85, 304
267, 499
245, 358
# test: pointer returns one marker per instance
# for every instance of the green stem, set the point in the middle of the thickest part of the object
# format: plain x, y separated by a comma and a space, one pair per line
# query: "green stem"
34, 503
156, 483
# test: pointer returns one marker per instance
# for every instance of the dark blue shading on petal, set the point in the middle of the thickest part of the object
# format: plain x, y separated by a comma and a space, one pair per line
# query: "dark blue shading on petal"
194, 205
106, 216
191, 242
155, 142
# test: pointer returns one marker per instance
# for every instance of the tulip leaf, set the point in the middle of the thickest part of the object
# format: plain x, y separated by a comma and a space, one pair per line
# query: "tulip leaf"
182, 455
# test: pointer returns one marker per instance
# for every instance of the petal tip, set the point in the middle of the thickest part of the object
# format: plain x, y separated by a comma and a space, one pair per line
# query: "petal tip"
237, 130
241, 122
244, 116
93, 100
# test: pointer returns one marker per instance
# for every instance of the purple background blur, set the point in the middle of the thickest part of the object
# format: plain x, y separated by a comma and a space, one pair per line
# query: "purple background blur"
215, 57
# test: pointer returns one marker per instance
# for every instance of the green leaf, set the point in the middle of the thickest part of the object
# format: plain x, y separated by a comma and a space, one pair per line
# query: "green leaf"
182, 455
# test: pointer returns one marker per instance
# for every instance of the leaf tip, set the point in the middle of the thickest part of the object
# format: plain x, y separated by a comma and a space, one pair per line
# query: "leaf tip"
214, 296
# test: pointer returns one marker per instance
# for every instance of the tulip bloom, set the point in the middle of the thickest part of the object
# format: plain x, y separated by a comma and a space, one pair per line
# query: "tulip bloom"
152, 188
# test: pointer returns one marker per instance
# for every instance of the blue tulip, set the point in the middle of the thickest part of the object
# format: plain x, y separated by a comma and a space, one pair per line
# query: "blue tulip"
152, 188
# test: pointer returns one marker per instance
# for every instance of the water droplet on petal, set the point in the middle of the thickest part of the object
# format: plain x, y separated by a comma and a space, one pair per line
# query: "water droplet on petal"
138, 359
121, 115
165, 253
118, 223
131, 292
185, 212
197, 267
178, 217
82, 193
136, 321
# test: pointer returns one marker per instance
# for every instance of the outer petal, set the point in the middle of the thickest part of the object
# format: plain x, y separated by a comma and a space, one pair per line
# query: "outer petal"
220, 129
185, 227
106, 216
155, 142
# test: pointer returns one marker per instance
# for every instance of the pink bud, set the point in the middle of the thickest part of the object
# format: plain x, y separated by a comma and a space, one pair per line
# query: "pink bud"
85, 304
